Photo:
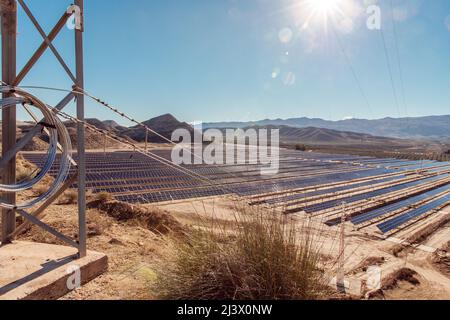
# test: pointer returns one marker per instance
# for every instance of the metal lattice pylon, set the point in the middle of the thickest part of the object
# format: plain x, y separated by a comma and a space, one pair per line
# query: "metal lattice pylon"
10, 146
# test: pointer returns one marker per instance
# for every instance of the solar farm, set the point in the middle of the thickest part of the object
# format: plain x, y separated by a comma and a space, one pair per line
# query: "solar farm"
381, 196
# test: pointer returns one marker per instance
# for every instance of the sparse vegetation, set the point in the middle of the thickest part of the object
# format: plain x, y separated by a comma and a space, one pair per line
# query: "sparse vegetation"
69, 197
259, 257
23, 173
393, 281
404, 274
24, 169
103, 197
441, 259
96, 223
40, 189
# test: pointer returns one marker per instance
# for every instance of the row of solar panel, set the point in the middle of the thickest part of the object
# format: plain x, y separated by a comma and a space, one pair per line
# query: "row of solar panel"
377, 213
170, 195
155, 173
145, 172
152, 184
333, 203
403, 219
328, 191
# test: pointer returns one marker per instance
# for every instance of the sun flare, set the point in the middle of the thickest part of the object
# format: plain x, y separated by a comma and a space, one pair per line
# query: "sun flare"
324, 11
324, 7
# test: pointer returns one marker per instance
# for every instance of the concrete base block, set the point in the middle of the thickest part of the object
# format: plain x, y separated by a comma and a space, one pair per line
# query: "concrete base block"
36, 271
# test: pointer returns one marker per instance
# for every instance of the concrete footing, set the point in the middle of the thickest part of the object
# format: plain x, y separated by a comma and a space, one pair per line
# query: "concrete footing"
35, 271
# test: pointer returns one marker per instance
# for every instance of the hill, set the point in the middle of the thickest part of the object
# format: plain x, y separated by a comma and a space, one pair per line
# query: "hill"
326, 137
36, 144
165, 125
435, 127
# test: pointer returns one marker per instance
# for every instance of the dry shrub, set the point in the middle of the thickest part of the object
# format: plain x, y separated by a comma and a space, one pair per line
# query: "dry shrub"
262, 257
24, 169
69, 197
102, 197
392, 281
23, 173
441, 259
153, 219
97, 223
404, 274
427, 231
40, 189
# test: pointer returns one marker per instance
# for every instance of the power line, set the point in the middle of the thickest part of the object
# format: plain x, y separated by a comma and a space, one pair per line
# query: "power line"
389, 67
353, 71
398, 58
78, 91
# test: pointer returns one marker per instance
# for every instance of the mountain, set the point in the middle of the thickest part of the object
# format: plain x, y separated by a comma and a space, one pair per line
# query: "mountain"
112, 124
435, 127
164, 125
320, 136
36, 144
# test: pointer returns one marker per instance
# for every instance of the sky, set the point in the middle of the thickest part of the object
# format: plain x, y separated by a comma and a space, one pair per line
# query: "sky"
232, 60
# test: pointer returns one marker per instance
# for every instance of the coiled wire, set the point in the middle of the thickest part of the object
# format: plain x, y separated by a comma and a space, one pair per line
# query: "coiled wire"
57, 132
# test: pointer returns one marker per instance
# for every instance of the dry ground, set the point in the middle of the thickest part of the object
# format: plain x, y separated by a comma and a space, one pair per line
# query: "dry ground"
133, 249
434, 281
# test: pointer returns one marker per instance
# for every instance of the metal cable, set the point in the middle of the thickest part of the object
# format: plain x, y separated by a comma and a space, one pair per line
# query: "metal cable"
151, 155
56, 130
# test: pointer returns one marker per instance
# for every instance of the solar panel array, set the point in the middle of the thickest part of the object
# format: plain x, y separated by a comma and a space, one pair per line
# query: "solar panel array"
306, 195
333, 203
401, 220
133, 177
377, 213
136, 178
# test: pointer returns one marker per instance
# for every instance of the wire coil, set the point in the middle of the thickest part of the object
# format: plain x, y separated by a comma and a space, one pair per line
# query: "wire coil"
57, 133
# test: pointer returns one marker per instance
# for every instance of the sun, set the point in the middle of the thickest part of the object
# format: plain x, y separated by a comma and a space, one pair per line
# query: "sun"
322, 11
324, 7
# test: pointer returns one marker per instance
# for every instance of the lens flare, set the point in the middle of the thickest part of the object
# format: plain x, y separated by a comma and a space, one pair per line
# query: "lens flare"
324, 7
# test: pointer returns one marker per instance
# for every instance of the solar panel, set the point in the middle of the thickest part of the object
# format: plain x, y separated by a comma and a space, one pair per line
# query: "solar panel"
333, 203
396, 206
137, 178
400, 220
327, 191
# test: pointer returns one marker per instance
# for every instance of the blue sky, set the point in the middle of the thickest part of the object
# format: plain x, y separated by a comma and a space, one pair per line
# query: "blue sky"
218, 60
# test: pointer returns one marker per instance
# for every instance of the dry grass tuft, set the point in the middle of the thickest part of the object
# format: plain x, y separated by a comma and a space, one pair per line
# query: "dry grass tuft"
97, 223
69, 197
441, 259
261, 257
24, 169
40, 189
393, 281
404, 274
102, 197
